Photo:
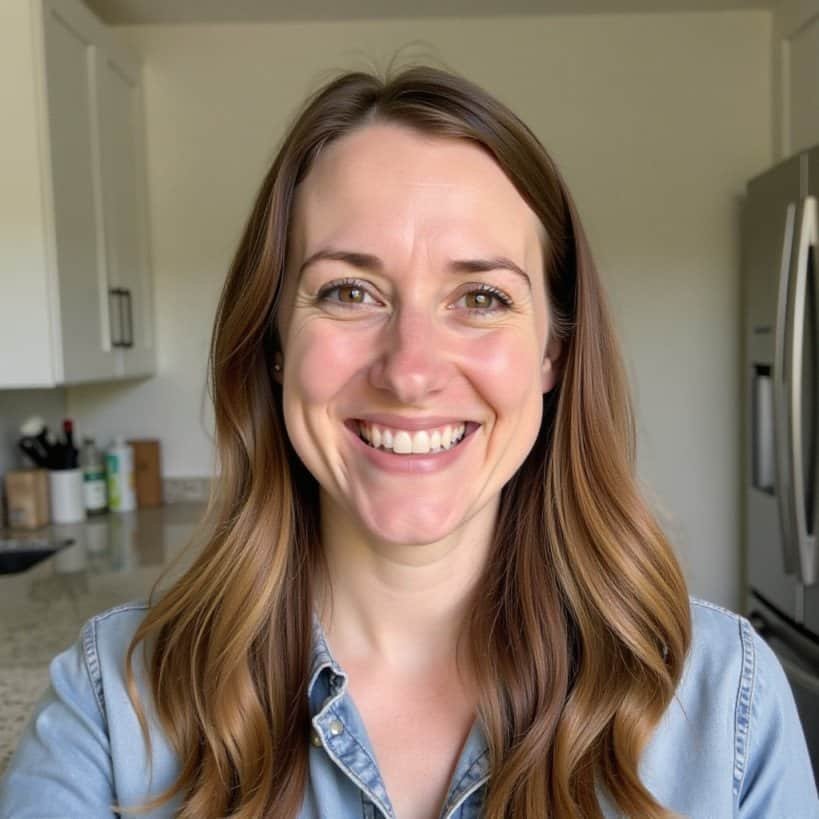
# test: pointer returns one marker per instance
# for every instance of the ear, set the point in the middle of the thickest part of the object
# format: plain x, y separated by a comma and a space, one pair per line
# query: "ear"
550, 368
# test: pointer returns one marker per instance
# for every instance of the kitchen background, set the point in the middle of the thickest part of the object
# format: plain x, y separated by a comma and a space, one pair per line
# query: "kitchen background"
137, 131
656, 112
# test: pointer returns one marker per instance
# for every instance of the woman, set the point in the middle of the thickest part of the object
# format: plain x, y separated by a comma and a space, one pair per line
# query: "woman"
431, 587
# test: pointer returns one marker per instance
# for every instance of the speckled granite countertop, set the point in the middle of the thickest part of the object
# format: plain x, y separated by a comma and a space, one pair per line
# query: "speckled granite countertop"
115, 558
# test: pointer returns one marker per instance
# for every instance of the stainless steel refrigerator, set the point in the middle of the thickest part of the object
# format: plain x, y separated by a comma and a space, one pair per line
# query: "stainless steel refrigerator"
781, 422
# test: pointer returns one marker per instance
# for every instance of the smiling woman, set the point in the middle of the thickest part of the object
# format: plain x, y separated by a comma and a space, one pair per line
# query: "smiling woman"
430, 586
439, 339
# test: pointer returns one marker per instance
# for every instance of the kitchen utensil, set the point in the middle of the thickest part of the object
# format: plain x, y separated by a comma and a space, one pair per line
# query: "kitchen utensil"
34, 428
32, 448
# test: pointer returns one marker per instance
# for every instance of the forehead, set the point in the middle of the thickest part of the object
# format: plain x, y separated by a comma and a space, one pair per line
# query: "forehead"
387, 183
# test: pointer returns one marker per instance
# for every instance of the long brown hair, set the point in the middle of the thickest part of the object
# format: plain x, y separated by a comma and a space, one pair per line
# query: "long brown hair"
582, 624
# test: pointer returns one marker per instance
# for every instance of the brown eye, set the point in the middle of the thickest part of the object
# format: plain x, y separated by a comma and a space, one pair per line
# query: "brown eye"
346, 293
485, 301
479, 300
350, 294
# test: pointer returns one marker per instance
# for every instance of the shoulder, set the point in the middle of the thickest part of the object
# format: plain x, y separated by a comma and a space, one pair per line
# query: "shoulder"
104, 642
121, 618
729, 656
725, 646
86, 729
734, 684
712, 620
720, 638
721, 655
113, 625
730, 724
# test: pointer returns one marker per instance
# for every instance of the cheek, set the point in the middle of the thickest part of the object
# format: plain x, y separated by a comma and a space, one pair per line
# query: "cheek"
506, 369
326, 361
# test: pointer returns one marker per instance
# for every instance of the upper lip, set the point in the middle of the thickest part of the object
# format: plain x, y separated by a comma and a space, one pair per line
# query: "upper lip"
409, 423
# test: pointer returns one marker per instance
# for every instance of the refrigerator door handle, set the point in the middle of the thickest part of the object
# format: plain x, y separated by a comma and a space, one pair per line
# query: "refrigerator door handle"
804, 541
781, 411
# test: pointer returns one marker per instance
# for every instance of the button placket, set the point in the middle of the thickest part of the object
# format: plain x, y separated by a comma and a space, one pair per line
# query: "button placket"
347, 751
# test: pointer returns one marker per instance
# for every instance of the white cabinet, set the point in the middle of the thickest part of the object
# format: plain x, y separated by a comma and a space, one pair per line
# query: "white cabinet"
803, 76
125, 214
76, 299
795, 76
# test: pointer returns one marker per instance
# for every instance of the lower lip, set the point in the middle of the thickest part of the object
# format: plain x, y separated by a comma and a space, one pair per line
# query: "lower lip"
412, 464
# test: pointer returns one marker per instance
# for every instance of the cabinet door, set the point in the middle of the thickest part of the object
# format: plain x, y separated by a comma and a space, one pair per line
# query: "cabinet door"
74, 147
803, 82
28, 345
125, 213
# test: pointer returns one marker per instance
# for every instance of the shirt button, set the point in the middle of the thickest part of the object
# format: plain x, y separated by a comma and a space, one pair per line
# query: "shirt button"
336, 727
315, 739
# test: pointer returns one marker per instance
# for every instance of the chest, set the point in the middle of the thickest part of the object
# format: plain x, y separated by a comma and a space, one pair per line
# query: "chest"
417, 736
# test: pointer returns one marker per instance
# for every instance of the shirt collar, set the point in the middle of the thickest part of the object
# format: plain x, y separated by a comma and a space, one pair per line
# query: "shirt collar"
325, 672
328, 682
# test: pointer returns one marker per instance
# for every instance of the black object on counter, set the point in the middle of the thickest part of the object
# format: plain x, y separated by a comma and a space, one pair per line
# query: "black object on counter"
19, 554
38, 445
70, 454
31, 447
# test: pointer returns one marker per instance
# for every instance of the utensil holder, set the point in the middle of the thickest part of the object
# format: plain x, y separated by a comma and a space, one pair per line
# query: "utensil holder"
67, 495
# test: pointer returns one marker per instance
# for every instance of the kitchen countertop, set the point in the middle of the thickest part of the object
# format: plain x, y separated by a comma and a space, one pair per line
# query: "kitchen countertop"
115, 558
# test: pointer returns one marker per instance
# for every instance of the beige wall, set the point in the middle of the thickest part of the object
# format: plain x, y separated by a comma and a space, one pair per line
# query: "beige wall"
656, 121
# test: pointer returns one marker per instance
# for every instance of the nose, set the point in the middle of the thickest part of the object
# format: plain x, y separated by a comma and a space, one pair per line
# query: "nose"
411, 360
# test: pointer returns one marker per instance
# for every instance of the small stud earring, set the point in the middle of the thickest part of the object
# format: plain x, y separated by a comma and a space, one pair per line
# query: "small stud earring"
277, 367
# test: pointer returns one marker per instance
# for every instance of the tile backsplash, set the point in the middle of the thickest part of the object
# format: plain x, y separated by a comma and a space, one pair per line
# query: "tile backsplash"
183, 490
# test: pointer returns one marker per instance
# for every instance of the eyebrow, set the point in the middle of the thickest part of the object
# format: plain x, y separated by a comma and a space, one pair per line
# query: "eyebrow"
366, 261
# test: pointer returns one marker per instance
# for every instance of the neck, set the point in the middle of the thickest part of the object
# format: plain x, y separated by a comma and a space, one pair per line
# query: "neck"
401, 607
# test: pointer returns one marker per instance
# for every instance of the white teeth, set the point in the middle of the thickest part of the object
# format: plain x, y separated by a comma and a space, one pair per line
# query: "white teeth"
403, 442
420, 442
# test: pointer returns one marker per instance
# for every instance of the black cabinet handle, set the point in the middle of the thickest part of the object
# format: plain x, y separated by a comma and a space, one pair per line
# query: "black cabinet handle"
115, 316
129, 338
120, 308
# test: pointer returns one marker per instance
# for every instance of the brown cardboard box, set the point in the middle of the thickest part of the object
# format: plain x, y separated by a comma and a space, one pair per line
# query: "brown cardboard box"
147, 471
27, 498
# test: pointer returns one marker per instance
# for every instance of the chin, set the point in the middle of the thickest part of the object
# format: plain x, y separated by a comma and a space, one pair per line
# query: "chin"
412, 527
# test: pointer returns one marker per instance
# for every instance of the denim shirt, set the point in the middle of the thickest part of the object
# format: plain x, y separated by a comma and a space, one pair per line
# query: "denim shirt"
729, 745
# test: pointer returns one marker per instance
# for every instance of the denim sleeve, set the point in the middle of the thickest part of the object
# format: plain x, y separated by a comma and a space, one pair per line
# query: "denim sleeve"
778, 779
62, 766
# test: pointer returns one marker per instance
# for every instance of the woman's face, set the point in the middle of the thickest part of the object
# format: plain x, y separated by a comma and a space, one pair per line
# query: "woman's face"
414, 329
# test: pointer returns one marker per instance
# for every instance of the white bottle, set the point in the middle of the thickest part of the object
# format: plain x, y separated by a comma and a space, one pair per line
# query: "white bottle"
119, 464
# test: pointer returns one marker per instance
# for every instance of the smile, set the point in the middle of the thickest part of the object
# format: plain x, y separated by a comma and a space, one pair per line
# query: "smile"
412, 442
